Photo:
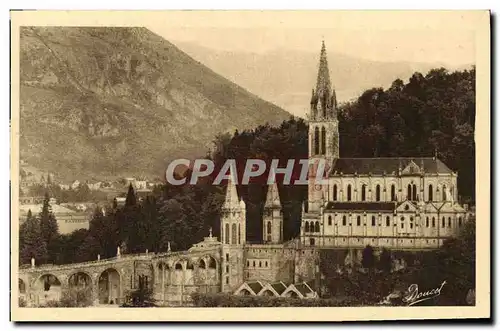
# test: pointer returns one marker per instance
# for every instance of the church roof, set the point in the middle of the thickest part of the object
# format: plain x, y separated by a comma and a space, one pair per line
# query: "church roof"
388, 165
364, 206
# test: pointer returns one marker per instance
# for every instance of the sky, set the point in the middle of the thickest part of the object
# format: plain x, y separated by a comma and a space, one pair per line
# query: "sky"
417, 36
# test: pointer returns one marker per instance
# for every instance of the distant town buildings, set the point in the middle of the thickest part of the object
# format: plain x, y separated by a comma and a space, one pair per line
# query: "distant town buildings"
68, 220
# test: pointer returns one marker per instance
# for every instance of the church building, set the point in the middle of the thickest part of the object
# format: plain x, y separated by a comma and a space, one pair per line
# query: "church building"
392, 202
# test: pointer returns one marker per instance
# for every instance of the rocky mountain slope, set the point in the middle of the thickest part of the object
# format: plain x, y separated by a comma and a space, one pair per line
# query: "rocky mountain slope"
101, 102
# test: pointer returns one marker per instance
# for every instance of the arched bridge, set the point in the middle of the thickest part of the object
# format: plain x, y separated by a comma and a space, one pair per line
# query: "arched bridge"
171, 276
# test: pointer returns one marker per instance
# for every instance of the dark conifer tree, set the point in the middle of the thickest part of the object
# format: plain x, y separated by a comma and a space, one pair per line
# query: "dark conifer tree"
49, 230
30, 245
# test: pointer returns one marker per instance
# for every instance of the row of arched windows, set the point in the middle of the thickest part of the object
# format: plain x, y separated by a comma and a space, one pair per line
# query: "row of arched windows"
387, 222
363, 193
311, 227
319, 141
411, 194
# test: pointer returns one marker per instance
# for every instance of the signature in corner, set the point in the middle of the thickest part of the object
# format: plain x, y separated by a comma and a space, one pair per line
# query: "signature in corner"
414, 296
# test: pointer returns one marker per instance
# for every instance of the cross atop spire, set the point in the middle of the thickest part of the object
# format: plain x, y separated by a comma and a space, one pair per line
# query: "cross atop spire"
323, 83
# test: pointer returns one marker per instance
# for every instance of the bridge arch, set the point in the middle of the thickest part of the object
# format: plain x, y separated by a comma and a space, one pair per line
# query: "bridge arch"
22, 286
80, 279
110, 286
47, 287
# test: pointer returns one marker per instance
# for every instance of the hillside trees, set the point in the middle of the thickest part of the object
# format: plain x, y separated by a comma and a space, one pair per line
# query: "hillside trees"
431, 113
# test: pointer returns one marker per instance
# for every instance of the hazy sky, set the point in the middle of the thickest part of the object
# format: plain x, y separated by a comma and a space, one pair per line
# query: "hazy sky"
446, 37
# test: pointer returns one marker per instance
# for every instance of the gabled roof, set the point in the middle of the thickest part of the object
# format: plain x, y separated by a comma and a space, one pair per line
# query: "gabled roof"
407, 206
304, 288
253, 287
387, 165
447, 206
279, 287
363, 206
256, 286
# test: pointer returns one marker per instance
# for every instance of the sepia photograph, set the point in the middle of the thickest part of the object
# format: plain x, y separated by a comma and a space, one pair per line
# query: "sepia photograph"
187, 159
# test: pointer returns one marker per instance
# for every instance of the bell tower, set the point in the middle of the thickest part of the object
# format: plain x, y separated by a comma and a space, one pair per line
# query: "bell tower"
323, 121
233, 235
323, 130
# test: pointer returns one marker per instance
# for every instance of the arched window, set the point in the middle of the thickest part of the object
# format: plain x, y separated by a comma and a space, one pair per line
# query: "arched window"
363, 192
393, 193
444, 193
411, 222
335, 192
358, 221
414, 193
449, 222
329, 220
316, 227
443, 224
433, 222
377, 193
373, 221
349, 192
460, 221
226, 234
306, 227
387, 221
402, 222
233, 234
268, 227
323, 140
427, 221
316, 141
344, 220
239, 234
431, 192
408, 193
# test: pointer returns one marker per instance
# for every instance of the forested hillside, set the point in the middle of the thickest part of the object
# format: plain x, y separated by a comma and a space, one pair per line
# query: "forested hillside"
431, 113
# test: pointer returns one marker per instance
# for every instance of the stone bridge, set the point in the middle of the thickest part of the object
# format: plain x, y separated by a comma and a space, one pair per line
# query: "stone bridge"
171, 276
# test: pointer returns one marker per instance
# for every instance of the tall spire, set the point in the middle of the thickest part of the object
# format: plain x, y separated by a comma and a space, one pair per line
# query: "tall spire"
323, 83
232, 199
273, 198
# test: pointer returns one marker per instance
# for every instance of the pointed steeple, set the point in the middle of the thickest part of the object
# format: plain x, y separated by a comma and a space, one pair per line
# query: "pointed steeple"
273, 197
232, 200
323, 83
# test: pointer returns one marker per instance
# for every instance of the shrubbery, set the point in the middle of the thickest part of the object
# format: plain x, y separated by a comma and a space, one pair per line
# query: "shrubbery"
71, 298
229, 300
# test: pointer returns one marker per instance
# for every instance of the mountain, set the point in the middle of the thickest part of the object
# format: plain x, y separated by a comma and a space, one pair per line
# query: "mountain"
104, 102
286, 77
